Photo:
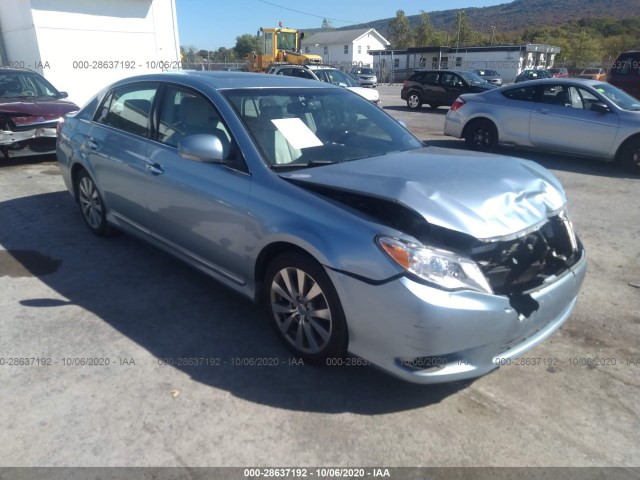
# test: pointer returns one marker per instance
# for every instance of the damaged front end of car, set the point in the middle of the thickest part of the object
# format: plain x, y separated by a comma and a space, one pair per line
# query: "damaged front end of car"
25, 135
466, 300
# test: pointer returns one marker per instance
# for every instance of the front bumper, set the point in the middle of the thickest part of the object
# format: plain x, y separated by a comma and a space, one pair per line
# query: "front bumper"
368, 82
427, 335
36, 141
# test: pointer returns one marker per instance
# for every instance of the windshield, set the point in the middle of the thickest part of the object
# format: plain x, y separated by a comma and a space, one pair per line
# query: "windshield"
296, 128
286, 41
367, 71
621, 99
336, 77
487, 73
20, 84
472, 78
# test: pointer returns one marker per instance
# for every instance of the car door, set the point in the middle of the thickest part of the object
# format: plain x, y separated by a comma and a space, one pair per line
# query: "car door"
432, 91
512, 112
562, 120
452, 86
117, 148
198, 209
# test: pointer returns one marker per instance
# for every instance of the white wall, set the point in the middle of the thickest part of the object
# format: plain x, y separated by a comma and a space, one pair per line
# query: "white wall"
84, 45
370, 41
338, 58
18, 34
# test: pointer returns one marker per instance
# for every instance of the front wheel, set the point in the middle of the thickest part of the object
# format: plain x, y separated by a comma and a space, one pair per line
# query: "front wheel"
414, 102
481, 135
305, 309
630, 156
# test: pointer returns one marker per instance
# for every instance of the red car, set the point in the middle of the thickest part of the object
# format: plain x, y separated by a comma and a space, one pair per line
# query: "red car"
559, 72
30, 108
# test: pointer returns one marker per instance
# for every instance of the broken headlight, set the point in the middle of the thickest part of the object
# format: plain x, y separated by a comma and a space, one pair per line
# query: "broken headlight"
440, 267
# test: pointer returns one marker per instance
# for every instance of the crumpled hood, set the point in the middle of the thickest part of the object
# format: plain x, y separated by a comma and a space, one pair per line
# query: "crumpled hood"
48, 108
483, 195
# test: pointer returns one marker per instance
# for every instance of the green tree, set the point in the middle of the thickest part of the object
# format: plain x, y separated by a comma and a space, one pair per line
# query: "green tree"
463, 34
326, 23
586, 49
400, 31
245, 44
425, 33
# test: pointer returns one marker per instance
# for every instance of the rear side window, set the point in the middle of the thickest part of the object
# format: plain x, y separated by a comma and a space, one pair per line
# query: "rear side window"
127, 108
525, 94
425, 77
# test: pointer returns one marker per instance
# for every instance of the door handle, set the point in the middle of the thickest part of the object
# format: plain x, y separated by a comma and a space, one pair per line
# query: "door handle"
544, 111
154, 168
91, 144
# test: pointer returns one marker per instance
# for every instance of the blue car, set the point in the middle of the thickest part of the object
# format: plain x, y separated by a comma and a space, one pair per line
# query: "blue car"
433, 265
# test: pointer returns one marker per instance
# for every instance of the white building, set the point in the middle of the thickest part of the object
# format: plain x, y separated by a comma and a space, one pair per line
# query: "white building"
507, 60
345, 48
81, 46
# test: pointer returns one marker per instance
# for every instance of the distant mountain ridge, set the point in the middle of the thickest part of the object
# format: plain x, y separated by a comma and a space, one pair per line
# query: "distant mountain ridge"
519, 14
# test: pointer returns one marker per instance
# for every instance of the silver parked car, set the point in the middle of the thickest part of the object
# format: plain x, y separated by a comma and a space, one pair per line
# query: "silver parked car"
490, 76
574, 116
432, 264
366, 76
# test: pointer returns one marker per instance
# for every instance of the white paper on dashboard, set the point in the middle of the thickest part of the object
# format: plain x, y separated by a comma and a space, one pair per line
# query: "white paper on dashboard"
296, 133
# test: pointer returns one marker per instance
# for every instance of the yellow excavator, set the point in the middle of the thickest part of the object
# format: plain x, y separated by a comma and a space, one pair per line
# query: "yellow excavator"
279, 45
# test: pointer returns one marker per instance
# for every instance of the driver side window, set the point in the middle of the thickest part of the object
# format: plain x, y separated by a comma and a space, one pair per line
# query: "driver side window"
184, 113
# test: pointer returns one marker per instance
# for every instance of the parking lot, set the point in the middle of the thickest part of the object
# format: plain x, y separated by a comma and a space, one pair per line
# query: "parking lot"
113, 353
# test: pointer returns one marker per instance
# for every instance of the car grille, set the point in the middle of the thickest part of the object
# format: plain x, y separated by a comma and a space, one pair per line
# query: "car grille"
524, 263
32, 126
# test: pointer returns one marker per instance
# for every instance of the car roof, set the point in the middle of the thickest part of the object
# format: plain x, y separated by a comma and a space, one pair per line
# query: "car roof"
220, 80
557, 81
456, 70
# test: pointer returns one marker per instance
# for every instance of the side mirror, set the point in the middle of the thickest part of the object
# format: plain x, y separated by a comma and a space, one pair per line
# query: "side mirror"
600, 107
202, 147
63, 94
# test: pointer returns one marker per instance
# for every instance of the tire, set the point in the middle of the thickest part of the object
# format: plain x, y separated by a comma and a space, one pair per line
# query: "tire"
414, 102
304, 308
91, 205
481, 135
630, 156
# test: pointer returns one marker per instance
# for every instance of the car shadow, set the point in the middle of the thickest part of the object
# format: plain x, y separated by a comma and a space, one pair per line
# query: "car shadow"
552, 161
30, 159
175, 312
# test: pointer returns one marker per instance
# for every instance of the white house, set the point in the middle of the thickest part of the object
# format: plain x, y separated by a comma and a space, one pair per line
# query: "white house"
345, 48
81, 46
507, 60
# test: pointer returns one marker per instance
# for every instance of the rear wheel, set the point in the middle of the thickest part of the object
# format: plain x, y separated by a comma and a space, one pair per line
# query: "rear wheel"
481, 135
630, 156
305, 309
414, 102
91, 204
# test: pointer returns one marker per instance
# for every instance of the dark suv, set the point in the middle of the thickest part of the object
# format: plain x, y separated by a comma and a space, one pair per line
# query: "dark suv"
440, 87
30, 108
625, 73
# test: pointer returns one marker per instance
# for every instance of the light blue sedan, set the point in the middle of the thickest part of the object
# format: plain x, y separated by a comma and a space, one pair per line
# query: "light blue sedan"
433, 265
